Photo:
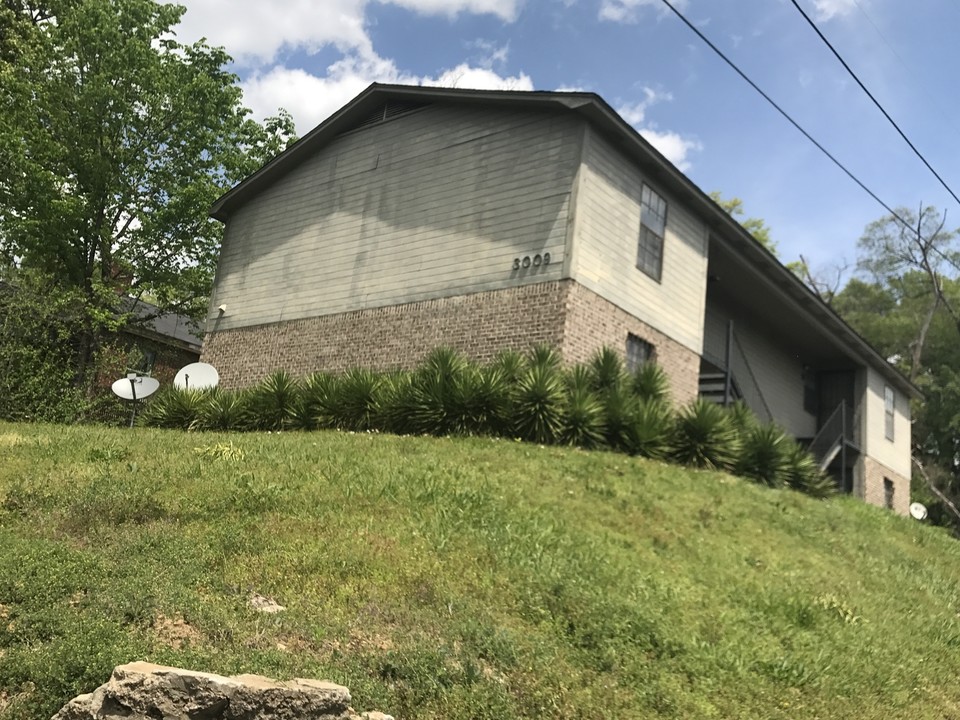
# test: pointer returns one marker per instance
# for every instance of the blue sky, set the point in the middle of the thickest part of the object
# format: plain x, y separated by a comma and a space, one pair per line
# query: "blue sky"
312, 56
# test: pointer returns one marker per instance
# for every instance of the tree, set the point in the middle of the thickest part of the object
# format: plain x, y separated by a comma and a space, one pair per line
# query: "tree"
919, 247
755, 226
114, 141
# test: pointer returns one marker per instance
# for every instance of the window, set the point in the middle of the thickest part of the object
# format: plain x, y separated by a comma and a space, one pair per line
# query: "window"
888, 408
639, 351
888, 493
653, 224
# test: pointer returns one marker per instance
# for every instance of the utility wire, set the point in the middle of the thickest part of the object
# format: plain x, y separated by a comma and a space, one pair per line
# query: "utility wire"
875, 101
783, 112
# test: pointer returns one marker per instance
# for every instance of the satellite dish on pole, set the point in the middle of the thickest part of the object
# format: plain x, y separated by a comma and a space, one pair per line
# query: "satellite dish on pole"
918, 511
133, 387
196, 376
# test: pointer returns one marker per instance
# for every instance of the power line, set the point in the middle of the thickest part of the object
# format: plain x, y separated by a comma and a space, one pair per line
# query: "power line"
903, 63
875, 101
783, 112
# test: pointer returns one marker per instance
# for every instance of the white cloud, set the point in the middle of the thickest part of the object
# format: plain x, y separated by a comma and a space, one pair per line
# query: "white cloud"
674, 146
628, 11
829, 9
311, 98
254, 31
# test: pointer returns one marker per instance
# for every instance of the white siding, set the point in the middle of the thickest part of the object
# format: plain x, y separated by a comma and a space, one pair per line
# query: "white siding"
434, 203
777, 371
607, 234
894, 454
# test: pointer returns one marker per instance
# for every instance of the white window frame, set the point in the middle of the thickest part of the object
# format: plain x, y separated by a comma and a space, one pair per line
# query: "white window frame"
653, 231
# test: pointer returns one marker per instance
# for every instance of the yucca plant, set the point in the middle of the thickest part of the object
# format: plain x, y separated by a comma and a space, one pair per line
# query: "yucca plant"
444, 362
179, 408
743, 418
579, 377
538, 403
705, 437
802, 473
396, 400
318, 396
649, 429
273, 402
583, 421
479, 401
358, 400
545, 356
606, 369
511, 364
650, 382
764, 455
224, 410
619, 406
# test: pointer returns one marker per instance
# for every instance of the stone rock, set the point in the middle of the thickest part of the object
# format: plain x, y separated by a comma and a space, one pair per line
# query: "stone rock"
265, 604
143, 691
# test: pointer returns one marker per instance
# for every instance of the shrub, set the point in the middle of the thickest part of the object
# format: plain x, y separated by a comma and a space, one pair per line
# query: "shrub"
764, 455
650, 382
539, 403
742, 417
223, 410
511, 363
546, 356
705, 437
619, 405
583, 421
649, 429
479, 401
801, 473
318, 398
273, 402
606, 369
358, 400
176, 408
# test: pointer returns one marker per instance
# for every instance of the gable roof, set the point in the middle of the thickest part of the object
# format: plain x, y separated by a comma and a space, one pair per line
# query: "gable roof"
594, 109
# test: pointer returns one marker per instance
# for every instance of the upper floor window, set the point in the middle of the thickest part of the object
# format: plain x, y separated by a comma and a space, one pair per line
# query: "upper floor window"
653, 225
888, 414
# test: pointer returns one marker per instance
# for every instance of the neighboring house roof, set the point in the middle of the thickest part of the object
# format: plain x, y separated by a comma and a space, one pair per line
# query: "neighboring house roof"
724, 228
171, 328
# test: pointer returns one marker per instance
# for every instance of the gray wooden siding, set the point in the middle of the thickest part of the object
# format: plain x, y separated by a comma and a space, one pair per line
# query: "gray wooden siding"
778, 372
607, 234
894, 454
435, 203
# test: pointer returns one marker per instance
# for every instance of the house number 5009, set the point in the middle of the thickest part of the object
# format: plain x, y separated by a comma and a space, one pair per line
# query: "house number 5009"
527, 261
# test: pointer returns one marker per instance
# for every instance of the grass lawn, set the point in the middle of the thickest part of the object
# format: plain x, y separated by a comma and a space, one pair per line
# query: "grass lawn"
442, 578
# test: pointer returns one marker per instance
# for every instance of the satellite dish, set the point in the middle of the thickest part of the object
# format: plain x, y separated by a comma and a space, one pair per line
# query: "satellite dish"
918, 511
197, 376
135, 388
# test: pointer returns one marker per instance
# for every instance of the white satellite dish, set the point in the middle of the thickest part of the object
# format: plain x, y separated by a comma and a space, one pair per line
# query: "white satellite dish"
196, 376
918, 511
135, 388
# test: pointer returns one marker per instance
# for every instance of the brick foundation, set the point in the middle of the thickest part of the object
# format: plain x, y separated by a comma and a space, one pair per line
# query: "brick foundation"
872, 475
593, 322
560, 313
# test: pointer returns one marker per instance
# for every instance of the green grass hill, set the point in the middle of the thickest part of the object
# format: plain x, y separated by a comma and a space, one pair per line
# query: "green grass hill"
458, 579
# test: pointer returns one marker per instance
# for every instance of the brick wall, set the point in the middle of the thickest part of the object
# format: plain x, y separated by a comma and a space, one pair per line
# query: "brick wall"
873, 475
593, 322
560, 313
388, 338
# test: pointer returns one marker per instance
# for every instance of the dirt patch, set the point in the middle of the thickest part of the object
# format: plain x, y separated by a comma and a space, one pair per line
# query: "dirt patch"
175, 631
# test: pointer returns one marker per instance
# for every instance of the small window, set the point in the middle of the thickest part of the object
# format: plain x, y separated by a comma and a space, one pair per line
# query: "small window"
639, 352
653, 225
888, 414
888, 493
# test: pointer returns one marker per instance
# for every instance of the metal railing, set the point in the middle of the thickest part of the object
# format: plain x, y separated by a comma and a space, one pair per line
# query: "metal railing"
842, 427
732, 360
